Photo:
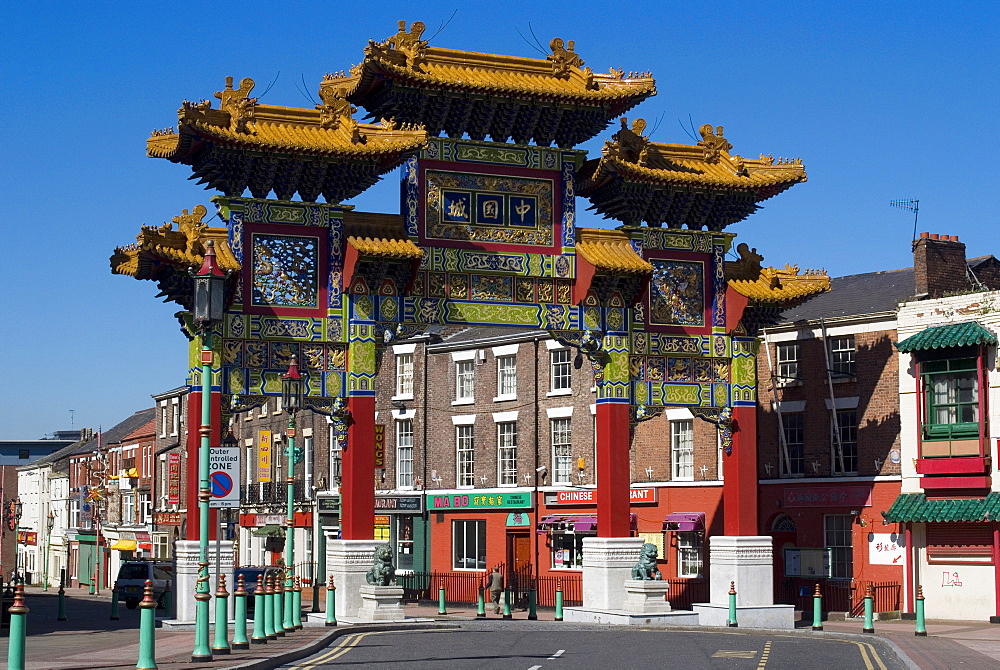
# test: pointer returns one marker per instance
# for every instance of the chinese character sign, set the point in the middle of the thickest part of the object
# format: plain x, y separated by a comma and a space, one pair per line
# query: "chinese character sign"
885, 548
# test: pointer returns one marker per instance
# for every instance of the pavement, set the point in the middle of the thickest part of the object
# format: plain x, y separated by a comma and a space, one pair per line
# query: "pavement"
89, 639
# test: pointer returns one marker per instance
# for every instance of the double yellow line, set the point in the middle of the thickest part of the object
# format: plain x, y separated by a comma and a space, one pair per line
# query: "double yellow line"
351, 641
869, 656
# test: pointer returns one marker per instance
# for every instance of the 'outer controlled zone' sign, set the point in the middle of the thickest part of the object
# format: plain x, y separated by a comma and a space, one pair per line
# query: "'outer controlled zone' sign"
224, 476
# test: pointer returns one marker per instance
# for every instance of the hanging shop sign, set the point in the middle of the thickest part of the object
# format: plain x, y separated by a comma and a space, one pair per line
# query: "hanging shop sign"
263, 455
173, 479
28, 537
824, 496
380, 445
589, 497
167, 518
398, 504
481, 501
885, 548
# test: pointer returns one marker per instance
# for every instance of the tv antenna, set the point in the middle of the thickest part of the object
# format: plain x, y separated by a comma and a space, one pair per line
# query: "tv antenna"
909, 206
71, 412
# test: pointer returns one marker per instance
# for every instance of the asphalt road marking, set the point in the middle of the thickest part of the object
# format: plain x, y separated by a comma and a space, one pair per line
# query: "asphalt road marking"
535, 667
557, 654
764, 656
345, 645
865, 649
729, 653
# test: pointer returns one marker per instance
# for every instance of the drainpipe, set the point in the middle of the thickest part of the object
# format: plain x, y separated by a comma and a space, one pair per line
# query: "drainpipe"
423, 481
534, 533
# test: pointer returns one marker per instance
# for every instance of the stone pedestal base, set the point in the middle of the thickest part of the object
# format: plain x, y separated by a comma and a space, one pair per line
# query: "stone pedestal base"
347, 562
607, 564
381, 603
645, 596
746, 560
220, 558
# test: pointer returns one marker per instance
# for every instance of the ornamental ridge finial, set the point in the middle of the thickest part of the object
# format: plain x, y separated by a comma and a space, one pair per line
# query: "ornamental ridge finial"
238, 103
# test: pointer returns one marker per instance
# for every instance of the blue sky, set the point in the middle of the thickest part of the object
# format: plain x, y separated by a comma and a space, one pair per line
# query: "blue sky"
880, 100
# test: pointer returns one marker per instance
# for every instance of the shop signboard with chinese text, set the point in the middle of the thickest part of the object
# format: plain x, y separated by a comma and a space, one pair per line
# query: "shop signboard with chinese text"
481, 501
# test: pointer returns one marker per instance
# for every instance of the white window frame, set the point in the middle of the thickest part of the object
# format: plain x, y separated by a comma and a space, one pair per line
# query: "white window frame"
465, 382
404, 454
842, 357
560, 372
128, 509
847, 424
507, 453
164, 418
788, 432
690, 554
787, 355
459, 534
175, 416
465, 456
682, 450
404, 377
506, 377
561, 433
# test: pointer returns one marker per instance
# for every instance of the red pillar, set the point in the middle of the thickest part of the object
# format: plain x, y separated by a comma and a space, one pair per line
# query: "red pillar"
357, 498
739, 491
190, 493
613, 469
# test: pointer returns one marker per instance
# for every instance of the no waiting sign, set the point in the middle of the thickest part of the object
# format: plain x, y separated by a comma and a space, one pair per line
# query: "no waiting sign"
224, 476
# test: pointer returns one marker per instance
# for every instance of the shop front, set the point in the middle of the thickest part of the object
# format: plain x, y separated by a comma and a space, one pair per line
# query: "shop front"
399, 523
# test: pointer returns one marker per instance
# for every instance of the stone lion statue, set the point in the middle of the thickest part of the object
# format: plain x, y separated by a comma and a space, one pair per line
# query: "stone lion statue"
382, 572
645, 569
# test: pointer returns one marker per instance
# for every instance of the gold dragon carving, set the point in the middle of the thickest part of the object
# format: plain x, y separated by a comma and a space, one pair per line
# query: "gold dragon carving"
563, 57
238, 103
713, 142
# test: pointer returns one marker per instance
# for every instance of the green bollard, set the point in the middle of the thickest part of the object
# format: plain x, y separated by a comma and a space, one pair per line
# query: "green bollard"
61, 614
167, 599
732, 606
297, 604
331, 604
559, 601
277, 602
921, 630
506, 604
532, 610
114, 603
481, 604
147, 629
441, 608
817, 609
269, 631
259, 636
869, 626
18, 633
315, 592
201, 652
220, 646
240, 640
288, 602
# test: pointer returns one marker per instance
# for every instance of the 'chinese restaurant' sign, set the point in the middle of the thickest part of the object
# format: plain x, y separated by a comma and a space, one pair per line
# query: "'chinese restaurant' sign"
167, 518
482, 501
398, 503
821, 496
173, 479
380, 445
263, 455
589, 497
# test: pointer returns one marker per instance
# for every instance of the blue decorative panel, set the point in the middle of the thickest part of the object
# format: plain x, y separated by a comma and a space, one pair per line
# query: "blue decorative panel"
285, 271
677, 293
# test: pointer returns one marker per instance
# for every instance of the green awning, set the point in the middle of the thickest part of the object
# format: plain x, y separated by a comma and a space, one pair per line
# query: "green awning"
951, 335
269, 531
916, 508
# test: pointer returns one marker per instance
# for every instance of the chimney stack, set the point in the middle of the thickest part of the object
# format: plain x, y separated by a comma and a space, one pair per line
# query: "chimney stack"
939, 265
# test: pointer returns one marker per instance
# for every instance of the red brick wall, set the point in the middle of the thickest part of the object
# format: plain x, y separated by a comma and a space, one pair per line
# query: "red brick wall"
939, 265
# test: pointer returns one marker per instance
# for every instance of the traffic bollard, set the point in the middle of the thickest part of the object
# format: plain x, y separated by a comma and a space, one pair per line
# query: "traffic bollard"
559, 601
532, 605
481, 604
259, 608
147, 629
441, 608
114, 603
288, 602
61, 614
869, 626
15, 644
297, 604
278, 602
732, 606
506, 604
314, 583
921, 630
817, 609
240, 615
167, 599
331, 604
269, 609
220, 646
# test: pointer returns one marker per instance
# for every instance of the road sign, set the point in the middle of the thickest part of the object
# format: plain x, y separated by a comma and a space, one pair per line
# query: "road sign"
224, 476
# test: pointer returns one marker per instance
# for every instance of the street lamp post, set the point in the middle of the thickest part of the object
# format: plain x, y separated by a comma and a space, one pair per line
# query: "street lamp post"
49, 523
292, 392
18, 510
209, 308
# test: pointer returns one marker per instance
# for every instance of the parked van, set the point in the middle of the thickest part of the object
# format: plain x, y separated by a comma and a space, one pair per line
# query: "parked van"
132, 578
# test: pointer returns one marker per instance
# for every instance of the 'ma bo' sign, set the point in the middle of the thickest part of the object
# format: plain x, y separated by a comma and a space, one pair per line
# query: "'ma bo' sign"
224, 476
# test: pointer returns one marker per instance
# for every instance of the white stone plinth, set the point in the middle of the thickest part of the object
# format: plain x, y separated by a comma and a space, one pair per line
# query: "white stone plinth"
381, 603
646, 596
220, 561
607, 564
347, 562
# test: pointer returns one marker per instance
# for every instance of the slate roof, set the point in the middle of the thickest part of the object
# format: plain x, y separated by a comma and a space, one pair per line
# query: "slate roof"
478, 333
866, 293
110, 436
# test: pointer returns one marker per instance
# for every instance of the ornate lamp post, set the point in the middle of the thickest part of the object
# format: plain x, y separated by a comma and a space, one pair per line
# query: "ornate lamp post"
209, 310
292, 393
18, 510
49, 523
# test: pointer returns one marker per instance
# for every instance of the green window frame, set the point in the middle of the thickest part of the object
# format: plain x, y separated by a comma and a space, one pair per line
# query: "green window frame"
951, 398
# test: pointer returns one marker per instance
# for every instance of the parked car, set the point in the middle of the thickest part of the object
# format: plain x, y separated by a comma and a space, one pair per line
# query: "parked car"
132, 578
252, 575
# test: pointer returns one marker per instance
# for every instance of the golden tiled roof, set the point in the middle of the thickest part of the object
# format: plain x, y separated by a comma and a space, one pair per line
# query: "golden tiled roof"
708, 163
610, 250
379, 235
184, 247
783, 285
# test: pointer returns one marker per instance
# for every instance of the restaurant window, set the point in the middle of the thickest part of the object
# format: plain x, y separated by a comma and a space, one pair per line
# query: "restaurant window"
404, 543
793, 460
567, 551
838, 539
469, 544
682, 449
846, 461
951, 391
689, 553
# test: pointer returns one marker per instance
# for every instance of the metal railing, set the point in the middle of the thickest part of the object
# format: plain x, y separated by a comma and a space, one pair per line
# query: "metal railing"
841, 595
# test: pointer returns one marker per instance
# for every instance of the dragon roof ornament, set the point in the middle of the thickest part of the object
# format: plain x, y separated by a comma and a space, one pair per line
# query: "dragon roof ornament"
238, 103
404, 49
